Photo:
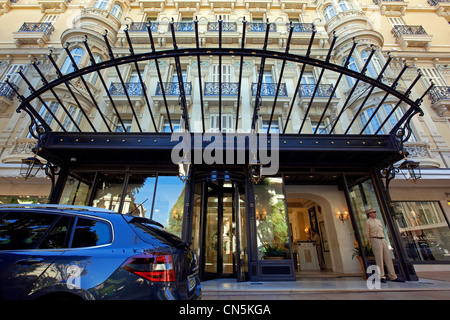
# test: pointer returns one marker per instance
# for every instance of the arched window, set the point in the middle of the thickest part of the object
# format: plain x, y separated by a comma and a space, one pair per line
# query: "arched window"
117, 11
93, 76
329, 13
352, 66
76, 115
374, 66
100, 4
345, 5
77, 54
386, 114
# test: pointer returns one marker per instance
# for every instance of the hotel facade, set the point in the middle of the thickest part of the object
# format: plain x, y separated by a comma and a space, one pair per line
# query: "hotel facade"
338, 95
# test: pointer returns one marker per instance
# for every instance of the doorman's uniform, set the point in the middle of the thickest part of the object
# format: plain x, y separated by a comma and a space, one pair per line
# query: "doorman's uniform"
373, 230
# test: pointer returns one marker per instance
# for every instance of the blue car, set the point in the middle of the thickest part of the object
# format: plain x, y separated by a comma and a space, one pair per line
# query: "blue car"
70, 252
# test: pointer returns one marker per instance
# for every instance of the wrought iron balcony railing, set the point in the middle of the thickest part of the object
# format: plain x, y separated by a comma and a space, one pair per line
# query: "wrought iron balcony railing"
400, 30
133, 89
439, 93
269, 89
260, 27
7, 91
301, 27
45, 27
432, 2
173, 89
323, 90
226, 26
184, 26
228, 88
142, 26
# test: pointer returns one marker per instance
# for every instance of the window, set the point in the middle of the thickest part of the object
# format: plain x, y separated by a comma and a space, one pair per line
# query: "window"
374, 67
432, 74
139, 195
127, 123
345, 5
50, 18
77, 54
175, 125
381, 115
117, 11
396, 21
109, 191
374, 123
77, 189
93, 76
24, 230
58, 237
100, 4
329, 13
90, 233
274, 126
271, 215
424, 229
323, 128
352, 66
226, 124
45, 113
76, 115
226, 73
12, 73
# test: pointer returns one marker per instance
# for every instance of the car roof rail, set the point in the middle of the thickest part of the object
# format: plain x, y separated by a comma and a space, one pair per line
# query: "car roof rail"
56, 206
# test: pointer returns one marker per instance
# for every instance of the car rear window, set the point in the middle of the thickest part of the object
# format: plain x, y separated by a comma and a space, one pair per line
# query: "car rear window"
149, 232
24, 230
91, 233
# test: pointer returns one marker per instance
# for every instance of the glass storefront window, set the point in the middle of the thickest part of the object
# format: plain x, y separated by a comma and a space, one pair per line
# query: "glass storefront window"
139, 195
271, 219
169, 203
424, 230
363, 196
23, 200
77, 190
109, 191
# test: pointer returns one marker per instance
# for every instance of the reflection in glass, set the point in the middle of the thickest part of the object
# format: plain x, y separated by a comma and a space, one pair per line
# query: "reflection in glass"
363, 196
139, 195
76, 190
424, 230
271, 219
109, 191
169, 203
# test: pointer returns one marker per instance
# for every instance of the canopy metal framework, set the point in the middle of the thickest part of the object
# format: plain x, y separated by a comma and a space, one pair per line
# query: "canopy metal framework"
40, 128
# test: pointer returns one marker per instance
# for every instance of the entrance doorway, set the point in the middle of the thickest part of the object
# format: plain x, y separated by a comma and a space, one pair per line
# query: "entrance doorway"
311, 248
219, 231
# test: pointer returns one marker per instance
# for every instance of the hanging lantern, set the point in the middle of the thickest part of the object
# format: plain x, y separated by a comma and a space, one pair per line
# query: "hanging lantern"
184, 167
30, 167
411, 170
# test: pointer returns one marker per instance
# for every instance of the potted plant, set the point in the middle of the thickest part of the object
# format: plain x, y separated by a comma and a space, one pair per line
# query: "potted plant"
368, 252
272, 251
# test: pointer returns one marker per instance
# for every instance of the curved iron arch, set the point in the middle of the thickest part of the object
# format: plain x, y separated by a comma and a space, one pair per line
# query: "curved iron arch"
177, 53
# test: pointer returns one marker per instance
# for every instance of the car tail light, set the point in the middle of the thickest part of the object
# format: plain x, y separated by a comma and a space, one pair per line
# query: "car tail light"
155, 266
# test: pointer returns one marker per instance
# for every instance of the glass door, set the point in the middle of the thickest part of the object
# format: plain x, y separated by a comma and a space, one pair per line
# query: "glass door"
222, 240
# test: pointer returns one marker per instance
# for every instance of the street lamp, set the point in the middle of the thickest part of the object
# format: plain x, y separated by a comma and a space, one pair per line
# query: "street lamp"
30, 167
184, 166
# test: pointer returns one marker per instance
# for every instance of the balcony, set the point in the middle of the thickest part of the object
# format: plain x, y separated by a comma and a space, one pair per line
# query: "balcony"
392, 7
33, 33
256, 33
229, 92
173, 89
6, 96
442, 8
411, 36
440, 100
226, 26
133, 89
268, 92
321, 97
301, 33
50, 6
138, 33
